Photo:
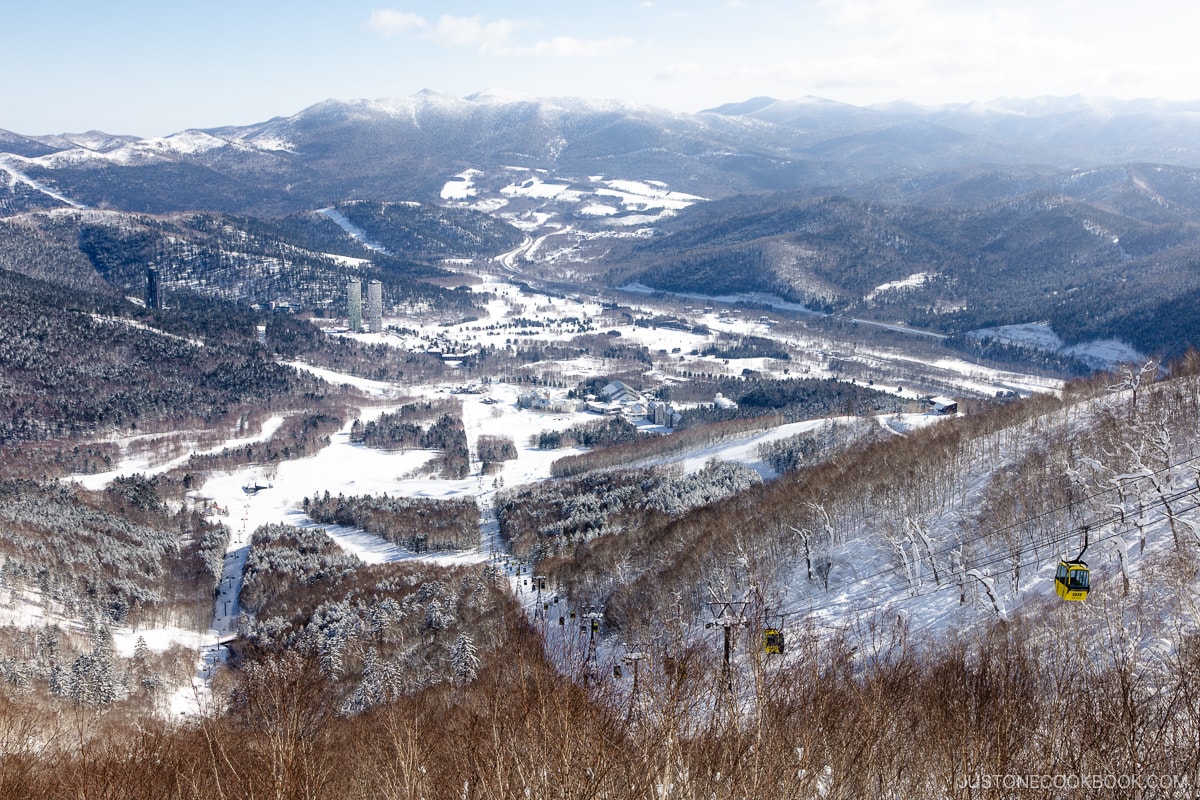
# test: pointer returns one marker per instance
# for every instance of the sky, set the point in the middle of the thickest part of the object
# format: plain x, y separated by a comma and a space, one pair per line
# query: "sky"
154, 68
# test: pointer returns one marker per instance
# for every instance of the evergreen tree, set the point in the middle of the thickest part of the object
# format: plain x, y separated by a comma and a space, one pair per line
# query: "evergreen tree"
464, 659
92, 680
378, 684
438, 617
141, 670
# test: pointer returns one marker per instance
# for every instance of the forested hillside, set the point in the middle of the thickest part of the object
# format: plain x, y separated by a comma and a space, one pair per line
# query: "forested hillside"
302, 261
1091, 272
121, 556
911, 574
796, 552
77, 363
424, 233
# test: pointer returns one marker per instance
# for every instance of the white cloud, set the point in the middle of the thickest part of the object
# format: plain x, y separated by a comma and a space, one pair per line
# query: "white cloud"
492, 37
489, 37
389, 23
924, 49
683, 69
570, 47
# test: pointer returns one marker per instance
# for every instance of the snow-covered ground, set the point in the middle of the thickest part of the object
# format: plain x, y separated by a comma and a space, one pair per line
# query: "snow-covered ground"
512, 314
132, 323
148, 466
356, 233
537, 188
1102, 354
351, 469
647, 195
559, 319
10, 164
461, 186
526, 191
911, 281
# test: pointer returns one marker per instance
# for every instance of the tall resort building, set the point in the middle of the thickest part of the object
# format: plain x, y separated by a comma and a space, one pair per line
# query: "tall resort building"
153, 296
354, 304
375, 306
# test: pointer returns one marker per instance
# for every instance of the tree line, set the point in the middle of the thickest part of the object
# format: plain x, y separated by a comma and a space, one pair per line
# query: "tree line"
826, 720
401, 431
418, 523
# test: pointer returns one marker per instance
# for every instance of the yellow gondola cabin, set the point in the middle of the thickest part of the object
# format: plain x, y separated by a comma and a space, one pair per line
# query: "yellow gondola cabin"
1072, 580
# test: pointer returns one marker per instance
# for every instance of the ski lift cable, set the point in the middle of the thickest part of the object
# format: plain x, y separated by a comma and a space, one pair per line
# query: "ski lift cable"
1064, 537
1001, 558
1048, 512
1036, 561
1080, 501
801, 608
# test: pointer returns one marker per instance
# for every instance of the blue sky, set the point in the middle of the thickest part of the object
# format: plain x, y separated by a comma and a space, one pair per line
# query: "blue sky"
153, 68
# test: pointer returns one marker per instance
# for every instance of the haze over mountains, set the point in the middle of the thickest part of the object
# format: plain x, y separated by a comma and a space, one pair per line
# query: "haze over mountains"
805, 143
1076, 212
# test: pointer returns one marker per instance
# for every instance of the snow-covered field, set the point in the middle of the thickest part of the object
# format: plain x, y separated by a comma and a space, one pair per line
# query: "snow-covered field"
626, 202
491, 409
349, 227
1103, 354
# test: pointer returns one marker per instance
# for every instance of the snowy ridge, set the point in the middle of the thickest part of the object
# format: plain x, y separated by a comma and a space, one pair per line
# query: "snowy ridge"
357, 233
432, 102
8, 165
123, 151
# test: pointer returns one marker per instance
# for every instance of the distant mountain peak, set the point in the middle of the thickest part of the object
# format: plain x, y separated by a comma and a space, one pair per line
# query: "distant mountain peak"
498, 97
756, 105
745, 107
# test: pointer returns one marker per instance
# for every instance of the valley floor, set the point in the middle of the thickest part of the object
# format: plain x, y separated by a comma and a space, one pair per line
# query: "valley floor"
493, 409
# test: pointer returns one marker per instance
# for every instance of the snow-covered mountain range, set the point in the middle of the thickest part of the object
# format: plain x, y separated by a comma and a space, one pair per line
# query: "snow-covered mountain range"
646, 391
406, 148
979, 199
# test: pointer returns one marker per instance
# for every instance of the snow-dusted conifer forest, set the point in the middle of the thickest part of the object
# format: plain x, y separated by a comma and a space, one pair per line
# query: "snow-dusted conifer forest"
628, 494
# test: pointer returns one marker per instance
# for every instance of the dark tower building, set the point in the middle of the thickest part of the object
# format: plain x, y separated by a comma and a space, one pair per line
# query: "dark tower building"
375, 306
153, 297
354, 304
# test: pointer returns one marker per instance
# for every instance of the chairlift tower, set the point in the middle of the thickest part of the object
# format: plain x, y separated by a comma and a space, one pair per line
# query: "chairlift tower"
590, 622
633, 659
728, 615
